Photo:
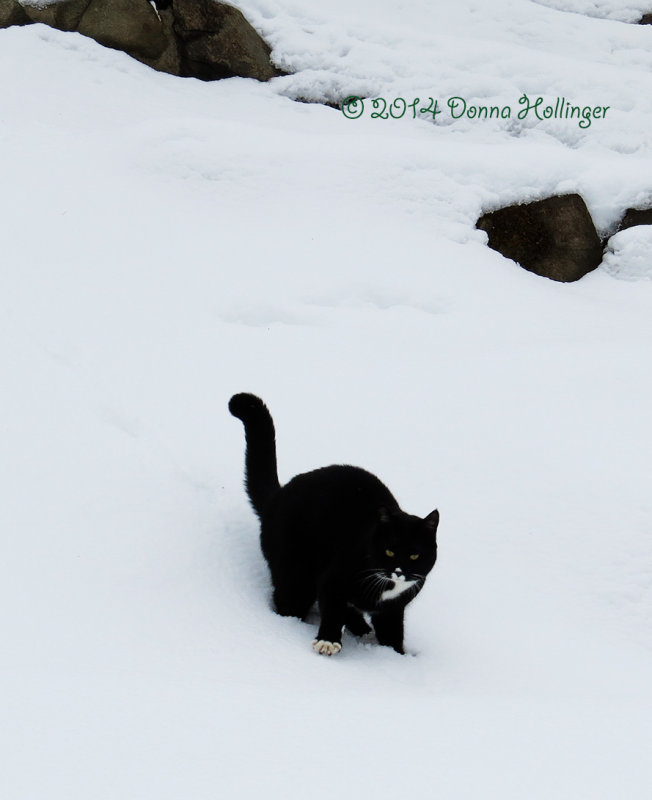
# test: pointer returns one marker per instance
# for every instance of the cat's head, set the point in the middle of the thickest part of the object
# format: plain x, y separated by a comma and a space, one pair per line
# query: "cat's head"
404, 545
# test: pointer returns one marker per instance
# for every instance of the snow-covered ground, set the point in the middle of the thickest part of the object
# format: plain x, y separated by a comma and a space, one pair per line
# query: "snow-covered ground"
165, 243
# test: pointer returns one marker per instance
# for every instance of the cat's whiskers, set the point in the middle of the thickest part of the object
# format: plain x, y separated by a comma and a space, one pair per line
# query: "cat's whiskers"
374, 583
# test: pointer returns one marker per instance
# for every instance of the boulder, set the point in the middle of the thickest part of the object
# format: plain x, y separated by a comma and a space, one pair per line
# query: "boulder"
170, 59
636, 216
216, 41
646, 19
194, 38
129, 25
63, 15
12, 13
555, 237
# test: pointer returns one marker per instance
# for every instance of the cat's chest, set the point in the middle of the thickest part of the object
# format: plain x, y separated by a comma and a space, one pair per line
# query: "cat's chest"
400, 587
370, 595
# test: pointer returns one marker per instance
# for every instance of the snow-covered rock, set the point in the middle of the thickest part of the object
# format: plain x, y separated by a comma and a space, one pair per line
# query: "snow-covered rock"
190, 38
554, 237
629, 254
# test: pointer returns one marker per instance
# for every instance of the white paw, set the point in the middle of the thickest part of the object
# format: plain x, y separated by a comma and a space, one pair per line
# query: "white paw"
326, 648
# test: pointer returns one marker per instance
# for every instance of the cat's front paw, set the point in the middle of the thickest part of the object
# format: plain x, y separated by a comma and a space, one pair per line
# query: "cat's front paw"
325, 648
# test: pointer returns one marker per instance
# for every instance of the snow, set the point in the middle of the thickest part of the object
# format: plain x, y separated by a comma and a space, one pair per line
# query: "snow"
39, 3
628, 255
605, 9
166, 243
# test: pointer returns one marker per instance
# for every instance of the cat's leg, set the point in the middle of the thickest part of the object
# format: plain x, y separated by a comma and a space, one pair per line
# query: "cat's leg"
332, 607
356, 622
292, 598
388, 625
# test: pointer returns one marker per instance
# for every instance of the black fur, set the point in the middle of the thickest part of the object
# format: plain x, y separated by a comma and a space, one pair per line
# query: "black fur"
326, 536
261, 478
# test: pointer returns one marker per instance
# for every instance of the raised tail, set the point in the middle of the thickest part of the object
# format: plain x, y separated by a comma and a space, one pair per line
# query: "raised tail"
261, 477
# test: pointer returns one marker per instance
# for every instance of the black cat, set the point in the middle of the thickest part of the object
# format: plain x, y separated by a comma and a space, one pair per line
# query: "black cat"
337, 536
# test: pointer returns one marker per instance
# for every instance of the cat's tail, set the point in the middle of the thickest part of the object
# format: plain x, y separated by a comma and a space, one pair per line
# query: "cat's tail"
261, 477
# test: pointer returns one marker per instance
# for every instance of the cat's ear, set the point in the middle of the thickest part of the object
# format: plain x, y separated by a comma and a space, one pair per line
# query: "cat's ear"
432, 521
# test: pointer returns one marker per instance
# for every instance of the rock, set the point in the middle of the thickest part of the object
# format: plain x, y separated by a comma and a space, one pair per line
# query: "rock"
218, 42
12, 13
554, 237
64, 15
170, 59
636, 216
194, 38
646, 19
129, 25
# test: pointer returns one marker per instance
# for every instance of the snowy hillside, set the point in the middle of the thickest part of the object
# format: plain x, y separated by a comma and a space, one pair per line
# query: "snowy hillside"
166, 243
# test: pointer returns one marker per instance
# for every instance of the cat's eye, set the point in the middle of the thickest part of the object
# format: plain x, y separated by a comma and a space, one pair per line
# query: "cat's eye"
414, 556
389, 553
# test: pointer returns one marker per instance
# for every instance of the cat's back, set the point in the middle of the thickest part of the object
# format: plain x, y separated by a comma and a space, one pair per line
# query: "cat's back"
323, 517
337, 491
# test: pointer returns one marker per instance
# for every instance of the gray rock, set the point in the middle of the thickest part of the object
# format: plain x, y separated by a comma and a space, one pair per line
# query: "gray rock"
636, 216
129, 25
555, 237
64, 15
216, 41
12, 13
194, 38
170, 59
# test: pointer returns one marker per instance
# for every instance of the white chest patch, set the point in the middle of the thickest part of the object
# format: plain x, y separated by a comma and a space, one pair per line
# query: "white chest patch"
398, 589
